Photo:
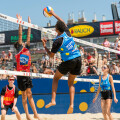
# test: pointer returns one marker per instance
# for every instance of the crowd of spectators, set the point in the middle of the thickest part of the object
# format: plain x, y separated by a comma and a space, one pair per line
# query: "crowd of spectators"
91, 60
91, 65
6, 57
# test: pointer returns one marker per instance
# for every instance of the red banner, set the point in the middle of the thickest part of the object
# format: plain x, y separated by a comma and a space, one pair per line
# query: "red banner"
117, 27
106, 28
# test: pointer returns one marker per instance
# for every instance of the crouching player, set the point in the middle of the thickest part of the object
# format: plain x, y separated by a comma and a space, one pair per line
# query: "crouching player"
9, 95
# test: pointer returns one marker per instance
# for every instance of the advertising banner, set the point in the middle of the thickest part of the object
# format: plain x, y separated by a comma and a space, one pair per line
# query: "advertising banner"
117, 27
10, 37
95, 29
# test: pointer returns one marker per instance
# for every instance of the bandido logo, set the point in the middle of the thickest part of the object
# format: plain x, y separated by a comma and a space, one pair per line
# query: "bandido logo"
24, 59
81, 30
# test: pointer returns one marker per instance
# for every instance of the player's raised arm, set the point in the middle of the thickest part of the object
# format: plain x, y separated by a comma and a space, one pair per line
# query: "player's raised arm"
29, 32
20, 29
56, 16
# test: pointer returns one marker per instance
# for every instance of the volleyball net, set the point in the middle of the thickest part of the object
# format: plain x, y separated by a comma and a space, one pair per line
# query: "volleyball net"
8, 23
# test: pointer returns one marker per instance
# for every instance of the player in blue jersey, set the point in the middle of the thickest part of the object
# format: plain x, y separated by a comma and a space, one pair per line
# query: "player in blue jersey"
106, 87
71, 60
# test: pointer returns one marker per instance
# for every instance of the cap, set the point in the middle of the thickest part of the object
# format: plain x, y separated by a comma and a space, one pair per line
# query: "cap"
104, 55
113, 63
13, 76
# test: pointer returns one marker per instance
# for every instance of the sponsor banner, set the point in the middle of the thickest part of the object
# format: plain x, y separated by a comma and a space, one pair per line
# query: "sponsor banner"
106, 28
10, 37
84, 30
95, 29
117, 27
81, 30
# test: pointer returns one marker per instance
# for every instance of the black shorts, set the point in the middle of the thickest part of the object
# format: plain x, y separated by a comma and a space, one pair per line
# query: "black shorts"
118, 56
107, 94
6, 107
24, 82
72, 66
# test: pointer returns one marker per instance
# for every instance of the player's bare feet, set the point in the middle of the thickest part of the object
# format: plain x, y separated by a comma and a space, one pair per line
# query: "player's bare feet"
50, 104
37, 117
28, 117
70, 110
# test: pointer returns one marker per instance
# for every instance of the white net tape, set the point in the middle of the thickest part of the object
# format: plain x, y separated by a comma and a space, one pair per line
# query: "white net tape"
16, 73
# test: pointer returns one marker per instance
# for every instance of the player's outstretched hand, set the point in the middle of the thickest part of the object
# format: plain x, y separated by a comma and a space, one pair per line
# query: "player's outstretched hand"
51, 12
29, 20
19, 17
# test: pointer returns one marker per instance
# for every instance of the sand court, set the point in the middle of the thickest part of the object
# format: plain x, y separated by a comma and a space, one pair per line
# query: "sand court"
78, 116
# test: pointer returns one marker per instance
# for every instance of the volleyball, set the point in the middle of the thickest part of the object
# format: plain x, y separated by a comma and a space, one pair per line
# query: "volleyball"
46, 11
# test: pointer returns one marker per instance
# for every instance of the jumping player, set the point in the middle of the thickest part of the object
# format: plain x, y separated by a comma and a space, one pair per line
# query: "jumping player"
23, 59
9, 95
105, 85
71, 60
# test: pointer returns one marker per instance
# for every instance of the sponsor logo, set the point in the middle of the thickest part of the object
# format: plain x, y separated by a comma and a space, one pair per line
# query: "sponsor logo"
106, 28
81, 30
117, 27
2, 16
8, 99
24, 59
70, 45
24, 37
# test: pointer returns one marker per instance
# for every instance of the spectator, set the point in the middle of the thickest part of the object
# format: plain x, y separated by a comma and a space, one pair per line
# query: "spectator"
118, 55
10, 55
118, 65
85, 54
104, 62
46, 60
116, 43
3, 76
92, 69
81, 50
89, 58
106, 43
114, 69
119, 36
43, 59
51, 62
47, 71
4, 57
34, 69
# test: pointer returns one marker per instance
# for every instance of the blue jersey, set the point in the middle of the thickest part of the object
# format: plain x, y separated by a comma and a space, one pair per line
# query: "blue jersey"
105, 84
68, 49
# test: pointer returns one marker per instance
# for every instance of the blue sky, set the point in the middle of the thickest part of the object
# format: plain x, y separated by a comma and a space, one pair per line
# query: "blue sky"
34, 8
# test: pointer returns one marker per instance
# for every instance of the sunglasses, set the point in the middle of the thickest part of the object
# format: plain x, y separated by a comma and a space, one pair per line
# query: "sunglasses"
12, 79
104, 67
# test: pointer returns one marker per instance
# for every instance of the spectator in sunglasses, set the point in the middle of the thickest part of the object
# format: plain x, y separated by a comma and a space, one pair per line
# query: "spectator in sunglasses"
91, 69
114, 69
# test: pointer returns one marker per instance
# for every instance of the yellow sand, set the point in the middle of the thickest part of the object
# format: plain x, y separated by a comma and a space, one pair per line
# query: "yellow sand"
87, 116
